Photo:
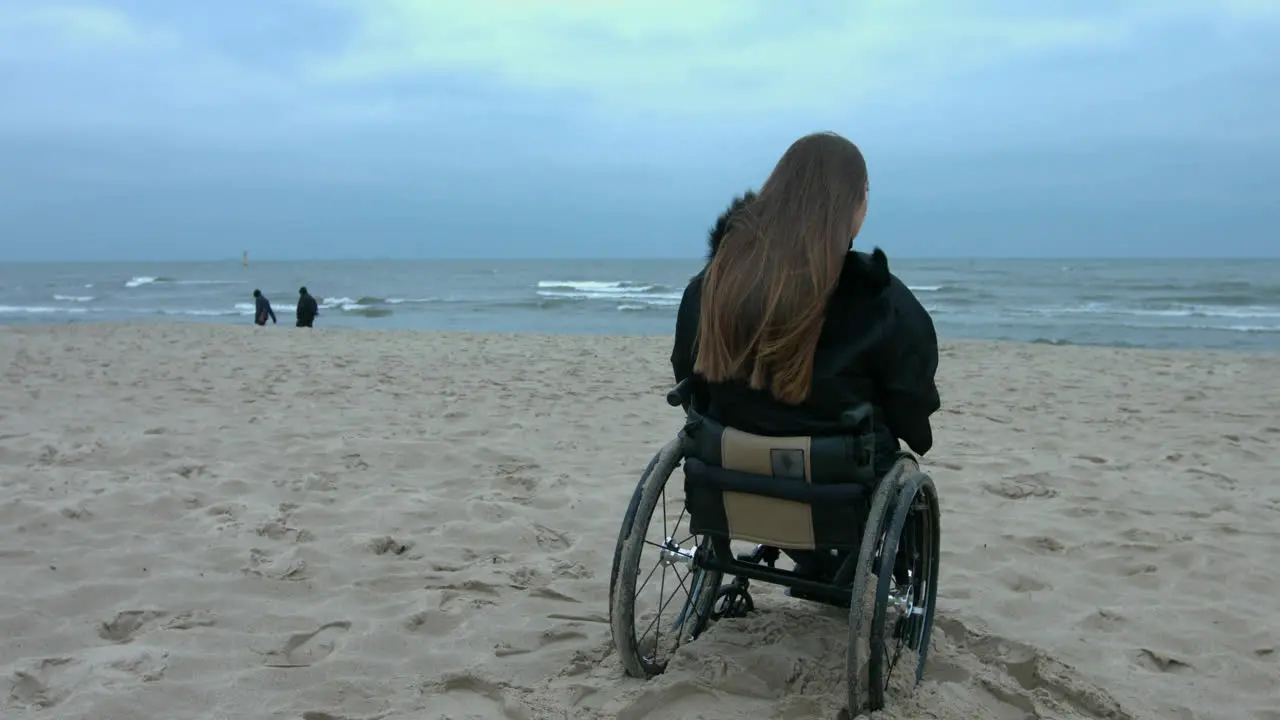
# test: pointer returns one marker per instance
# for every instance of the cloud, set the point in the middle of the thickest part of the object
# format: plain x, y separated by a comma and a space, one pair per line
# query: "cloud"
674, 55
71, 28
79, 69
669, 54
638, 83
242, 69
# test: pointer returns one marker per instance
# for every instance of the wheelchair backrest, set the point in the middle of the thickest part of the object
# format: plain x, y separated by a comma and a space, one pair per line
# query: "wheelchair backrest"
759, 518
779, 457
780, 491
819, 460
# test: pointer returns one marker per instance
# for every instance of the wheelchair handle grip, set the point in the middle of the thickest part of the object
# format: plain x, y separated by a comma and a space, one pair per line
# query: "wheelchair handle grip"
680, 394
855, 417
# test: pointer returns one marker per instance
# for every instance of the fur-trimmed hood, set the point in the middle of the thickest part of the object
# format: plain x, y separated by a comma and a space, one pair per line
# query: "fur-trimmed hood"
869, 271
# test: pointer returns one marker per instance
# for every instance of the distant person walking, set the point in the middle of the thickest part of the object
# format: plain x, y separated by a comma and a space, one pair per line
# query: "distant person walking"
262, 309
307, 308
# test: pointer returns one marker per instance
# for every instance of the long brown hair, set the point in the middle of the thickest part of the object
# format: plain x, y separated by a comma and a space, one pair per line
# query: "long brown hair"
765, 292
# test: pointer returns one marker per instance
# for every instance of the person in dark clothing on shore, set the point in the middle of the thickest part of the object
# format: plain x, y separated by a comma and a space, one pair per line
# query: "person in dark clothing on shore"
787, 326
308, 308
262, 309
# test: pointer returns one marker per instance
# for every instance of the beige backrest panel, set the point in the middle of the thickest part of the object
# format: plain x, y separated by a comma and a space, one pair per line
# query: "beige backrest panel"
753, 454
769, 521
756, 518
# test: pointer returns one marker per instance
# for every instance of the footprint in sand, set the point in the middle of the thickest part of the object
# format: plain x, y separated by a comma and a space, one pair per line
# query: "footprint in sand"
1038, 543
41, 685
189, 619
76, 513
317, 482
1021, 583
572, 570
307, 649
189, 471
1030, 679
226, 514
523, 577
126, 625
279, 529
1103, 620
1160, 662
287, 566
945, 671
455, 601
674, 700
387, 545
550, 539
465, 695
45, 683
520, 488
436, 623
547, 637
1017, 487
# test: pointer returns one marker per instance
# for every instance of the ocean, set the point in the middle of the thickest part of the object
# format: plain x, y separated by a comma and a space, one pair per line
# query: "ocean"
1224, 304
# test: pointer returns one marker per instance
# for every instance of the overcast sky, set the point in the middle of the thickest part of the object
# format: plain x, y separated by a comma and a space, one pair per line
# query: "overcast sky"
194, 129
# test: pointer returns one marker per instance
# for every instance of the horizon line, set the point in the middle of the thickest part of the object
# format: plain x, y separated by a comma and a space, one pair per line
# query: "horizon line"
694, 258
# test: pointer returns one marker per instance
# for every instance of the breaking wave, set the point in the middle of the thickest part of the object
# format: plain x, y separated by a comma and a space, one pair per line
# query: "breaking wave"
634, 293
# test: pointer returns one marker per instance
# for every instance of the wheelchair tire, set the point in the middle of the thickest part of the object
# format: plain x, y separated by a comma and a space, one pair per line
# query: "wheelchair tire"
704, 585
627, 520
872, 537
914, 519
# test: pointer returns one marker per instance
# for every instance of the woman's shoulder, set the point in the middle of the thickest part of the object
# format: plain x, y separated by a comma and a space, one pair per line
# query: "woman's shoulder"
867, 283
694, 285
877, 296
865, 274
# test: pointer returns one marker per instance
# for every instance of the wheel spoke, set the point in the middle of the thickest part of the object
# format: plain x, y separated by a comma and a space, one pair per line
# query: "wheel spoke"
678, 626
658, 615
671, 553
662, 591
663, 501
647, 577
888, 676
688, 598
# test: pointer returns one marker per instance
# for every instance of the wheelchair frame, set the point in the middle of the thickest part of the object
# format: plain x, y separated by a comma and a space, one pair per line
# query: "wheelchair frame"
904, 504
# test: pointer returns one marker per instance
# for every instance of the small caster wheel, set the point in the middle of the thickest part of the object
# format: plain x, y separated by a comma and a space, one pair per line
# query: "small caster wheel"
733, 601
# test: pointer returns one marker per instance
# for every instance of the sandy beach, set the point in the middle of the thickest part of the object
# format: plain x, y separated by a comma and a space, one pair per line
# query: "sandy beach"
201, 521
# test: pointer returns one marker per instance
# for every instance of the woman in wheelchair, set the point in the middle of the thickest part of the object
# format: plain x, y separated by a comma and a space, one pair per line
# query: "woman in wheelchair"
803, 367
787, 327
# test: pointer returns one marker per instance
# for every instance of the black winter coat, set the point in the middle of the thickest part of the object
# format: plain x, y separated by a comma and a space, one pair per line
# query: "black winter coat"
878, 344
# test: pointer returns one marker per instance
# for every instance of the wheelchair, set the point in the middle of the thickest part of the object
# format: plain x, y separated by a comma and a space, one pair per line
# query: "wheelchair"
819, 500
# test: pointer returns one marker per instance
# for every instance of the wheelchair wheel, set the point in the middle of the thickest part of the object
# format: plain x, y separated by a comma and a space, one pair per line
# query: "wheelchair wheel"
657, 553
872, 538
627, 519
906, 586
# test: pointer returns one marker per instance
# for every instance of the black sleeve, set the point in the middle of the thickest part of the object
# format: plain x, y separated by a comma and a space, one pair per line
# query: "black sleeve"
272, 312
684, 351
907, 368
